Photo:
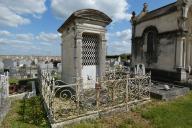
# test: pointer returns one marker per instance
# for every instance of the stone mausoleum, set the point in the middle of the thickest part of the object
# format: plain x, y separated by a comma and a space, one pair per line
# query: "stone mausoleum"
84, 46
162, 40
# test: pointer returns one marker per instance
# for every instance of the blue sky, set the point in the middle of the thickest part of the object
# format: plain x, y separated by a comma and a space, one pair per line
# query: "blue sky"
29, 27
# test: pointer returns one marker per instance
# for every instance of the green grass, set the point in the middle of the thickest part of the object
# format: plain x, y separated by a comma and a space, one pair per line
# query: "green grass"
174, 114
13, 80
118, 120
19, 80
32, 116
157, 114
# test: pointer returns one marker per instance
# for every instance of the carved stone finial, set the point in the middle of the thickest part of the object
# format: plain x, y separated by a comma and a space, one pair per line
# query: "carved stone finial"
133, 14
145, 7
183, 8
133, 18
185, 1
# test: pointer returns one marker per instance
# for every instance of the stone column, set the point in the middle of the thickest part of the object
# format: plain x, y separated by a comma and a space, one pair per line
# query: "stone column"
191, 53
78, 53
180, 59
102, 54
62, 58
184, 52
7, 82
188, 53
179, 53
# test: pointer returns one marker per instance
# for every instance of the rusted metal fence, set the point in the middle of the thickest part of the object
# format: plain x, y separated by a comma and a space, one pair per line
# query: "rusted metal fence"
115, 90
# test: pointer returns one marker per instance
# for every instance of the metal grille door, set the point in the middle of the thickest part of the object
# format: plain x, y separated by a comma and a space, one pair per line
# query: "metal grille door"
90, 47
90, 59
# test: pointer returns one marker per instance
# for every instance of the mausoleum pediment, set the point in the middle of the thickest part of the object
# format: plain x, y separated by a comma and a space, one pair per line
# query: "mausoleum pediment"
87, 14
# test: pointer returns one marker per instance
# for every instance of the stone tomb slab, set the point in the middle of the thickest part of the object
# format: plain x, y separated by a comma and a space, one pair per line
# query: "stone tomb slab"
160, 91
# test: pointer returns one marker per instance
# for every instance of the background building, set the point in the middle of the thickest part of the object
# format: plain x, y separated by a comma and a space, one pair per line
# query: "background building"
162, 40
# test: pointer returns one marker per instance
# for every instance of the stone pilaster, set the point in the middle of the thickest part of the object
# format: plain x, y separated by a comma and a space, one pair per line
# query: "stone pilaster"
180, 59
62, 58
191, 53
188, 53
179, 53
77, 53
102, 55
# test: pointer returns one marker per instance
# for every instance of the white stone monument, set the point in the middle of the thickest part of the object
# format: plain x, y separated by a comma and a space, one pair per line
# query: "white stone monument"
84, 46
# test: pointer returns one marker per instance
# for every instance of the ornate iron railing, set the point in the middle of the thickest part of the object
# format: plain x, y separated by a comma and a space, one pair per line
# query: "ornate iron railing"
64, 102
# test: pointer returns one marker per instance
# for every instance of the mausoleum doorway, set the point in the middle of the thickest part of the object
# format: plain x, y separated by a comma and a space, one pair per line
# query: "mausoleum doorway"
90, 58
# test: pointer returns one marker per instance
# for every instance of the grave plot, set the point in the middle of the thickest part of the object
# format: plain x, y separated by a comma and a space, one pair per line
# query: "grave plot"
116, 91
167, 91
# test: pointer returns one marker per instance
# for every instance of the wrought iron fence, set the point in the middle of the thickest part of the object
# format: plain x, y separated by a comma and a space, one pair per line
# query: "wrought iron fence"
64, 102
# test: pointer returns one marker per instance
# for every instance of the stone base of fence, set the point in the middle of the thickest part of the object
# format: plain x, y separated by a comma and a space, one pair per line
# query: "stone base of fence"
76, 120
102, 113
21, 96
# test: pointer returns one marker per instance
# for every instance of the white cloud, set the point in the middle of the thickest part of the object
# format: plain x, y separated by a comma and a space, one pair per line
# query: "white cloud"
12, 11
124, 35
43, 37
119, 42
28, 39
14, 46
5, 33
28, 43
25, 6
116, 9
22, 47
48, 37
9, 18
25, 37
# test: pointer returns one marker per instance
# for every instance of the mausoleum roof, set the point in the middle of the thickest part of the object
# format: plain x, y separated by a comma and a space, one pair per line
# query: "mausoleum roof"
159, 12
87, 14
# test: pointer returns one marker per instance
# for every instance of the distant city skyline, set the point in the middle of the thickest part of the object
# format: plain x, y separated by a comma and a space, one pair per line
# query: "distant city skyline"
30, 27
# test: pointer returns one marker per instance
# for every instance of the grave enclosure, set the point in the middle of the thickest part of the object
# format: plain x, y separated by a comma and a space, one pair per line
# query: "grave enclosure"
90, 90
115, 92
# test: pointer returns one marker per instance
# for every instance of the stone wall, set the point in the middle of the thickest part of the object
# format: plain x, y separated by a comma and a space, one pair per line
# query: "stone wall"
166, 51
163, 24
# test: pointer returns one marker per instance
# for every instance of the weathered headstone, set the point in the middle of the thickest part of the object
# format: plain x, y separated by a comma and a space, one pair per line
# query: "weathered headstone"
59, 66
